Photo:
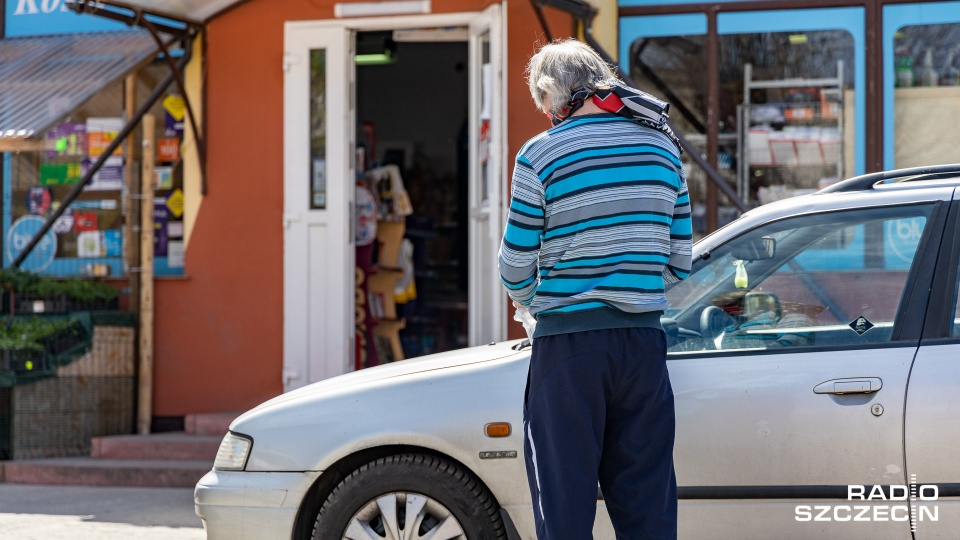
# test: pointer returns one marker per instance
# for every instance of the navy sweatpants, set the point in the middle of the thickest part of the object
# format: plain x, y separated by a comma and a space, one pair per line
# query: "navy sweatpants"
599, 407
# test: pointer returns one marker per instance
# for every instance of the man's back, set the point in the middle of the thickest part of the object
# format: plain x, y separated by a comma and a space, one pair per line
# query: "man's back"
602, 201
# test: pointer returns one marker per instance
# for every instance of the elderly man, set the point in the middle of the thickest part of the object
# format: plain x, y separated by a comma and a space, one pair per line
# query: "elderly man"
599, 221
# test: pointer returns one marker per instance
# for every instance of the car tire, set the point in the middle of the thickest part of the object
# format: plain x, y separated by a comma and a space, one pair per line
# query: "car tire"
451, 492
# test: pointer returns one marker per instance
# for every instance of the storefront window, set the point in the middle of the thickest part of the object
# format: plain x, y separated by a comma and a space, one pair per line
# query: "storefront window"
88, 238
318, 129
926, 75
673, 68
788, 97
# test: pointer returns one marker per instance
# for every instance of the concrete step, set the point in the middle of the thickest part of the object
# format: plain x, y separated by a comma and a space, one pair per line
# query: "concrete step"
208, 423
104, 472
163, 446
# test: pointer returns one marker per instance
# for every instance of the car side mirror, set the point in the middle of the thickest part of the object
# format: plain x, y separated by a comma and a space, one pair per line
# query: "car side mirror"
758, 249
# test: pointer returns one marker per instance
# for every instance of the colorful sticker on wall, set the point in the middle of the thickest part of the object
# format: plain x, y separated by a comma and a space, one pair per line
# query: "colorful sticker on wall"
161, 215
38, 201
175, 203
163, 178
88, 244
112, 243
175, 109
100, 133
20, 234
84, 221
108, 178
168, 150
69, 139
60, 174
64, 223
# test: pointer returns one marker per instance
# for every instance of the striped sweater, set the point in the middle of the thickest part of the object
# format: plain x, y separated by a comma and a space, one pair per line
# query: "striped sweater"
599, 221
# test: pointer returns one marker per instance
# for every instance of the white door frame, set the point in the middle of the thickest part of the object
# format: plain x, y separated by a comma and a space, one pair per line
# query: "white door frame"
302, 365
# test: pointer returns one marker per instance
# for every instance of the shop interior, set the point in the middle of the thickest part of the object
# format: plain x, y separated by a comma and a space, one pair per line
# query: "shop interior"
785, 110
412, 193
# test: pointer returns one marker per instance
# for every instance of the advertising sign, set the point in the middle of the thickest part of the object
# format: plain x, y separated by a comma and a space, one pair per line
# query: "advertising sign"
43, 17
20, 234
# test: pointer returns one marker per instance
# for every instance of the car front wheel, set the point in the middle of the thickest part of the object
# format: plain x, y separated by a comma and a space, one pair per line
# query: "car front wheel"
410, 497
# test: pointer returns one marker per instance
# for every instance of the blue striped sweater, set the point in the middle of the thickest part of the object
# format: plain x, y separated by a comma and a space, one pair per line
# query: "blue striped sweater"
599, 221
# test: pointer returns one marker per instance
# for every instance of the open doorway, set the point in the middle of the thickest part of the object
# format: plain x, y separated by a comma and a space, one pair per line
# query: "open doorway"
412, 110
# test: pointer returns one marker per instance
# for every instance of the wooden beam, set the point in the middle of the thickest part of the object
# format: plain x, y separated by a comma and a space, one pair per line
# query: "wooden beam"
145, 375
25, 145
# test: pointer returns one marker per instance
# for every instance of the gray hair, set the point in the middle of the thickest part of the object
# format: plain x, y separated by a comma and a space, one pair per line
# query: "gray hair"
561, 68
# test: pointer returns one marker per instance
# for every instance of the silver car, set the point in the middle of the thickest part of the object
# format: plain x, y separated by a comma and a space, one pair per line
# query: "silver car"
815, 359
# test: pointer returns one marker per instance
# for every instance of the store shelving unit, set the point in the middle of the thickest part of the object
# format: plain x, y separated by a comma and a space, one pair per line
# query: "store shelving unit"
793, 141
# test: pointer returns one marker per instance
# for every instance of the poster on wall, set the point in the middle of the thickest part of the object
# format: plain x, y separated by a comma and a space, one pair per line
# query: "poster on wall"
100, 133
168, 150
69, 140
84, 222
20, 234
60, 174
175, 109
112, 243
38, 201
175, 254
64, 223
88, 244
175, 203
163, 178
110, 177
161, 216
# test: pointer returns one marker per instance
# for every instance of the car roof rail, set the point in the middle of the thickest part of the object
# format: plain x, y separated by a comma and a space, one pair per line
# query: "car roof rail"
913, 174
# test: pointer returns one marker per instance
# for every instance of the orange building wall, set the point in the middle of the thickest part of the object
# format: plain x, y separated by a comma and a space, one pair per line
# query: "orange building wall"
219, 332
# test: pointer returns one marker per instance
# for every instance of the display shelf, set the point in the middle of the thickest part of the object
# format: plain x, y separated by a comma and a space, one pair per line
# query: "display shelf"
800, 129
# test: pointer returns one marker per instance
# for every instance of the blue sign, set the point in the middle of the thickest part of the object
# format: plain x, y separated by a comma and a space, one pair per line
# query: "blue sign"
45, 17
20, 234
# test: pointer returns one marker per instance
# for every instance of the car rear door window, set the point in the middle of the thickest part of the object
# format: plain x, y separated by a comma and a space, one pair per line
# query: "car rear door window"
829, 279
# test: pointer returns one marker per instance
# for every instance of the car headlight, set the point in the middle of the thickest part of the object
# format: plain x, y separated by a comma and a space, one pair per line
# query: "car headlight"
233, 452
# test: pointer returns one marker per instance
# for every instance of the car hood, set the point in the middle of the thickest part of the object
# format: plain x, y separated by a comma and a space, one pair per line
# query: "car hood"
459, 357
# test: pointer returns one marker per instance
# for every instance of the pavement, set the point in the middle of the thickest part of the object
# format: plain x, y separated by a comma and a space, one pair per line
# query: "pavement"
35, 512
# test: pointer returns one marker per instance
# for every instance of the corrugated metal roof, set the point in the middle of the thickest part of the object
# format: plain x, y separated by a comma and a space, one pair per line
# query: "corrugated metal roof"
43, 78
187, 10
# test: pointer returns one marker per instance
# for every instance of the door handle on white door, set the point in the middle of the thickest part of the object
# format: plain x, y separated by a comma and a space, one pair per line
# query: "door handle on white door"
855, 385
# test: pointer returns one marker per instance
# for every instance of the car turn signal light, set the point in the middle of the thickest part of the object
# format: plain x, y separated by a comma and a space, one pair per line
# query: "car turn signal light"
497, 429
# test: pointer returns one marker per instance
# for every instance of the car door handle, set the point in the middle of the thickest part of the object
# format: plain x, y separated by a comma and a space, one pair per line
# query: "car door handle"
856, 385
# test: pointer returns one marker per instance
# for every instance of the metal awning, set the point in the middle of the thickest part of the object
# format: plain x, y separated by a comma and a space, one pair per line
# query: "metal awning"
43, 79
190, 11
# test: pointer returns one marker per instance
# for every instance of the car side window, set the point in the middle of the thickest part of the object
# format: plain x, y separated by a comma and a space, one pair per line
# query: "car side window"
955, 327
831, 279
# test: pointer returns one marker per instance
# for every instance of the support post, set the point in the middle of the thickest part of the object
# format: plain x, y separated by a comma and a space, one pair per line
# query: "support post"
713, 114
131, 226
145, 382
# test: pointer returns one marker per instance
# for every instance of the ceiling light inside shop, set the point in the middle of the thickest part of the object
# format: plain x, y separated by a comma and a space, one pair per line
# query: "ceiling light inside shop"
798, 39
375, 48
375, 59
